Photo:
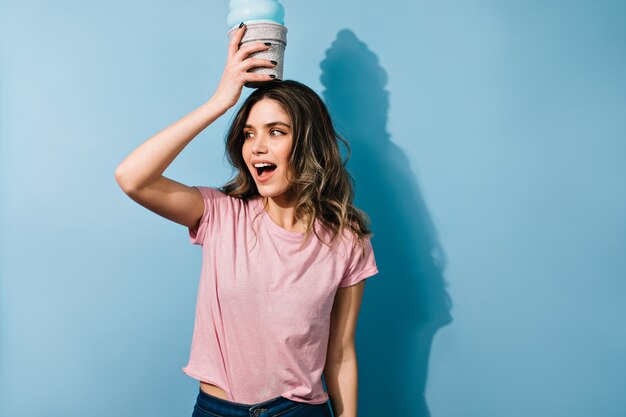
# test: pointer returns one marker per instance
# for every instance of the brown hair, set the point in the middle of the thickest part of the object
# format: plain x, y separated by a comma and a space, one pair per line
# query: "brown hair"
323, 187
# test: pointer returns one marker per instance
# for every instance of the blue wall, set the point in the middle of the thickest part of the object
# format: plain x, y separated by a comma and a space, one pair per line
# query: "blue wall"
489, 148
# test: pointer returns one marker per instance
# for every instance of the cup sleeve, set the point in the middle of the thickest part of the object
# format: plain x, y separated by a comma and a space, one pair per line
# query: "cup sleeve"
361, 265
196, 236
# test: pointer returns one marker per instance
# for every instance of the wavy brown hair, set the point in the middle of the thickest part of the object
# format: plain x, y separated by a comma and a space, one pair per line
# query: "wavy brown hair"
324, 189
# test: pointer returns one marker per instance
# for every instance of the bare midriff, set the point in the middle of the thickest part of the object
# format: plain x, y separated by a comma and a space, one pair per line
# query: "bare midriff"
213, 390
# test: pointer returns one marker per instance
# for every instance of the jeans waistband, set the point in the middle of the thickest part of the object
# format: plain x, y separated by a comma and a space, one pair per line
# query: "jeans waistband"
220, 406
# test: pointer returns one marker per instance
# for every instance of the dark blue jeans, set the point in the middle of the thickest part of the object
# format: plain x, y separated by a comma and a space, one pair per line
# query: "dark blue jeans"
208, 405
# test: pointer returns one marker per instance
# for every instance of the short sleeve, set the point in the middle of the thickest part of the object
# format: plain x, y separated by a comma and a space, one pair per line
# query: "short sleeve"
360, 265
196, 236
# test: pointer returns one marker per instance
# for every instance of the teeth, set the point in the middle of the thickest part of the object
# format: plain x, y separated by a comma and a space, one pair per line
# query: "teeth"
263, 164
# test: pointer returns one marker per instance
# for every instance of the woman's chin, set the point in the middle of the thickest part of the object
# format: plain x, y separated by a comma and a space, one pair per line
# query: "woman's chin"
266, 190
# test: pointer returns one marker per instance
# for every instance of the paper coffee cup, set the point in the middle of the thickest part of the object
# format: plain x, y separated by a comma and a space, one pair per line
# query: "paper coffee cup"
271, 32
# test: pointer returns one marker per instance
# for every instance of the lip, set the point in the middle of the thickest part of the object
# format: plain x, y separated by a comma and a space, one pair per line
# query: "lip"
258, 161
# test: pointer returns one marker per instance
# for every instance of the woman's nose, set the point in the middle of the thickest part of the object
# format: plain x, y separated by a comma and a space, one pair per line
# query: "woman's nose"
259, 144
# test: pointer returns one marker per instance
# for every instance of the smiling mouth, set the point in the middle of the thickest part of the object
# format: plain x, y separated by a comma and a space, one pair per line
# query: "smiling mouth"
264, 171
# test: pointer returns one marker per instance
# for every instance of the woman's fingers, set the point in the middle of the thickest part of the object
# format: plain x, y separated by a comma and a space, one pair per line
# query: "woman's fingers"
235, 74
249, 48
256, 62
233, 45
240, 53
258, 77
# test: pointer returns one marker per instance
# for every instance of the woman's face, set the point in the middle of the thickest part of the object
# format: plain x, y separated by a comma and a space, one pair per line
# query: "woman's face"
267, 138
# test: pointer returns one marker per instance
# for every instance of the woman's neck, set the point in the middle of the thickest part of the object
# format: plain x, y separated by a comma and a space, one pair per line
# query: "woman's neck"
283, 213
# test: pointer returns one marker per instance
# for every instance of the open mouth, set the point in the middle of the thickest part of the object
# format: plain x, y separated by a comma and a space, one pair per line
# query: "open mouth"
265, 170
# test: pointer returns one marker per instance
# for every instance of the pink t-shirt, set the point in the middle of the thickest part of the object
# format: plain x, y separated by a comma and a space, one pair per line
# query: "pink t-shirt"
263, 308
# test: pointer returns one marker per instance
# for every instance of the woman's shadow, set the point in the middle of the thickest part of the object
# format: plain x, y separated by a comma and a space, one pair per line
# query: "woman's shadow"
407, 302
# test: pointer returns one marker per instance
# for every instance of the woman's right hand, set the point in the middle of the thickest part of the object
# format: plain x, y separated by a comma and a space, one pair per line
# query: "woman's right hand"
237, 64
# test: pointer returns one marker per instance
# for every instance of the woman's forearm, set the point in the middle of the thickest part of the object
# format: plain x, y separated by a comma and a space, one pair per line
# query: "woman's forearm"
342, 385
148, 162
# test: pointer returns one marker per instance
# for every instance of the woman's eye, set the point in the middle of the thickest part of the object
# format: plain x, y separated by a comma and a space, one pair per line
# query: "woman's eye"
247, 134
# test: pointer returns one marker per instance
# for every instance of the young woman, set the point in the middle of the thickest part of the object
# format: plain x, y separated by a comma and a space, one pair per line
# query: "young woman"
284, 250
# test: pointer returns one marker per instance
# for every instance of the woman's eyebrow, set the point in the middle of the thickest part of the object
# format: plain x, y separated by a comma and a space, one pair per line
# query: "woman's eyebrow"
270, 124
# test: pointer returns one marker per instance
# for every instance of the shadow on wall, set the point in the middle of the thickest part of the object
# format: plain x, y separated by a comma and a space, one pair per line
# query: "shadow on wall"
407, 301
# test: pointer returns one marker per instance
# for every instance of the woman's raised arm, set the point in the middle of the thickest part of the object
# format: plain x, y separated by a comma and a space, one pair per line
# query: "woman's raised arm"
140, 175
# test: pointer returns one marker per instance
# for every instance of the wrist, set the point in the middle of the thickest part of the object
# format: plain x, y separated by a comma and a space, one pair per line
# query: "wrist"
219, 104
